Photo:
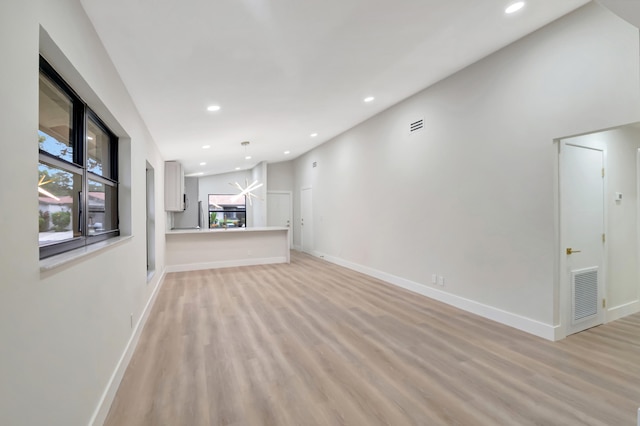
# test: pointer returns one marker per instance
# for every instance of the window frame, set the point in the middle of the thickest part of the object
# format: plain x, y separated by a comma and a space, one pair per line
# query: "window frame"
224, 210
81, 115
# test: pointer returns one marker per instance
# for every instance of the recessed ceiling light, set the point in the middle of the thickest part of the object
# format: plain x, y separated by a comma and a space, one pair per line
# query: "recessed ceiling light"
213, 108
313, 135
200, 174
206, 146
287, 152
237, 168
369, 99
514, 7
203, 164
90, 138
248, 157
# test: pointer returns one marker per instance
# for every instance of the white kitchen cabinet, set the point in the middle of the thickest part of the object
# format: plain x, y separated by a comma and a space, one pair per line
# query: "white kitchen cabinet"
173, 186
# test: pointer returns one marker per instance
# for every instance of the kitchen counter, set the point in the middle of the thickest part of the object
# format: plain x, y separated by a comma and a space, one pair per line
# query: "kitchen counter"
196, 249
222, 230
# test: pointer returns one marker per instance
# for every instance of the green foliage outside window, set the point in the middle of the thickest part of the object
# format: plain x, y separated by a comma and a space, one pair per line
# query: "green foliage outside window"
43, 221
61, 221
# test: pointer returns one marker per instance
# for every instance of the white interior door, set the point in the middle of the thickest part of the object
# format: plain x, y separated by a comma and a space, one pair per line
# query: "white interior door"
306, 220
280, 211
582, 239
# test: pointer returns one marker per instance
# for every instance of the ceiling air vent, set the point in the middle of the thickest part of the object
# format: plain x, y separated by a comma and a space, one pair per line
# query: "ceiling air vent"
416, 126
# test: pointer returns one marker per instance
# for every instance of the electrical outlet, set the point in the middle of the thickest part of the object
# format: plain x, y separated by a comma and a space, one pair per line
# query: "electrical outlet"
434, 279
441, 281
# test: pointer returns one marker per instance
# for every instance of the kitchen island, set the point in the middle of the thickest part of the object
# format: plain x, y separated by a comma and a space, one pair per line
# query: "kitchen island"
195, 249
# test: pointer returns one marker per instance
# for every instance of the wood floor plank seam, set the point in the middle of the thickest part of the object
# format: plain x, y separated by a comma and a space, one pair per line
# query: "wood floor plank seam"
312, 343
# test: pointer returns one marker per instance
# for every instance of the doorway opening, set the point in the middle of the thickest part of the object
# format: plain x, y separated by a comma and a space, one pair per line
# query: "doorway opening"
598, 243
150, 221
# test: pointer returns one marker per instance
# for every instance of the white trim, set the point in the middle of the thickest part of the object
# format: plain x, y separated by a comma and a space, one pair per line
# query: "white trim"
623, 310
638, 230
226, 264
104, 404
528, 325
306, 188
67, 257
559, 333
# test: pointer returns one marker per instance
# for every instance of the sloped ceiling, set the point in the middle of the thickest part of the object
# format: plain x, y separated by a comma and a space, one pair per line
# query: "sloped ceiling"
283, 69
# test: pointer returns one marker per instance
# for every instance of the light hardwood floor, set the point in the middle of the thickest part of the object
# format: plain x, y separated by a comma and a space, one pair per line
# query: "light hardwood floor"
312, 343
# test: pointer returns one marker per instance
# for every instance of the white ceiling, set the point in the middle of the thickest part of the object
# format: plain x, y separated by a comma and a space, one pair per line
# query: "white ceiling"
283, 69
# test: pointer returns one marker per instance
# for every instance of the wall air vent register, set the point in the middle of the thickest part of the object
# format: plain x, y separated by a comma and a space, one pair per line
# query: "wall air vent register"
416, 126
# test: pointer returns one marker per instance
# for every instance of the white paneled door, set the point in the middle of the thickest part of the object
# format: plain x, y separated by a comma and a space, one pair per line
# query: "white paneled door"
280, 211
582, 235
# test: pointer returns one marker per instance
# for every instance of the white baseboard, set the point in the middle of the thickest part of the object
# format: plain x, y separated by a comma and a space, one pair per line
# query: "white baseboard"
296, 248
104, 404
527, 325
226, 264
623, 310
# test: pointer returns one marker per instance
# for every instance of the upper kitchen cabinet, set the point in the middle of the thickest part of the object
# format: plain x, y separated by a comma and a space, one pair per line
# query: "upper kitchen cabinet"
173, 186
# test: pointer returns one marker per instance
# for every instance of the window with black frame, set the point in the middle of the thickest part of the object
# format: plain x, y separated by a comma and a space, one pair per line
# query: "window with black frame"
77, 170
227, 211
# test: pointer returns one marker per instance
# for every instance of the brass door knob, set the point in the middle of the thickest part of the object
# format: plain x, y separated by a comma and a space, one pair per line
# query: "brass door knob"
571, 251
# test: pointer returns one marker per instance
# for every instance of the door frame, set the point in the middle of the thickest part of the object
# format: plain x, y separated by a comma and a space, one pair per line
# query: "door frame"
564, 287
290, 194
638, 224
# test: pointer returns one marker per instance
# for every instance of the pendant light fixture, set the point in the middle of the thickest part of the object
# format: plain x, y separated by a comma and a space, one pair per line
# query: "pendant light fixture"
247, 190
245, 144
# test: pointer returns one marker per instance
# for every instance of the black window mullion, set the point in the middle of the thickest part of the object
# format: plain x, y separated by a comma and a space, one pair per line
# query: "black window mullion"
113, 144
81, 140
51, 160
113, 148
101, 179
52, 250
79, 129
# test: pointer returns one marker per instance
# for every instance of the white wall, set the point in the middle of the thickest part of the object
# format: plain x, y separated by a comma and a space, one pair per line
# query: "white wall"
280, 176
471, 197
258, 205
621, 146
63, 332
219, 184
626, 9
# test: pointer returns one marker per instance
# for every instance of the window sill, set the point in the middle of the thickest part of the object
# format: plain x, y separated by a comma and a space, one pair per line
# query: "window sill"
62, 259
